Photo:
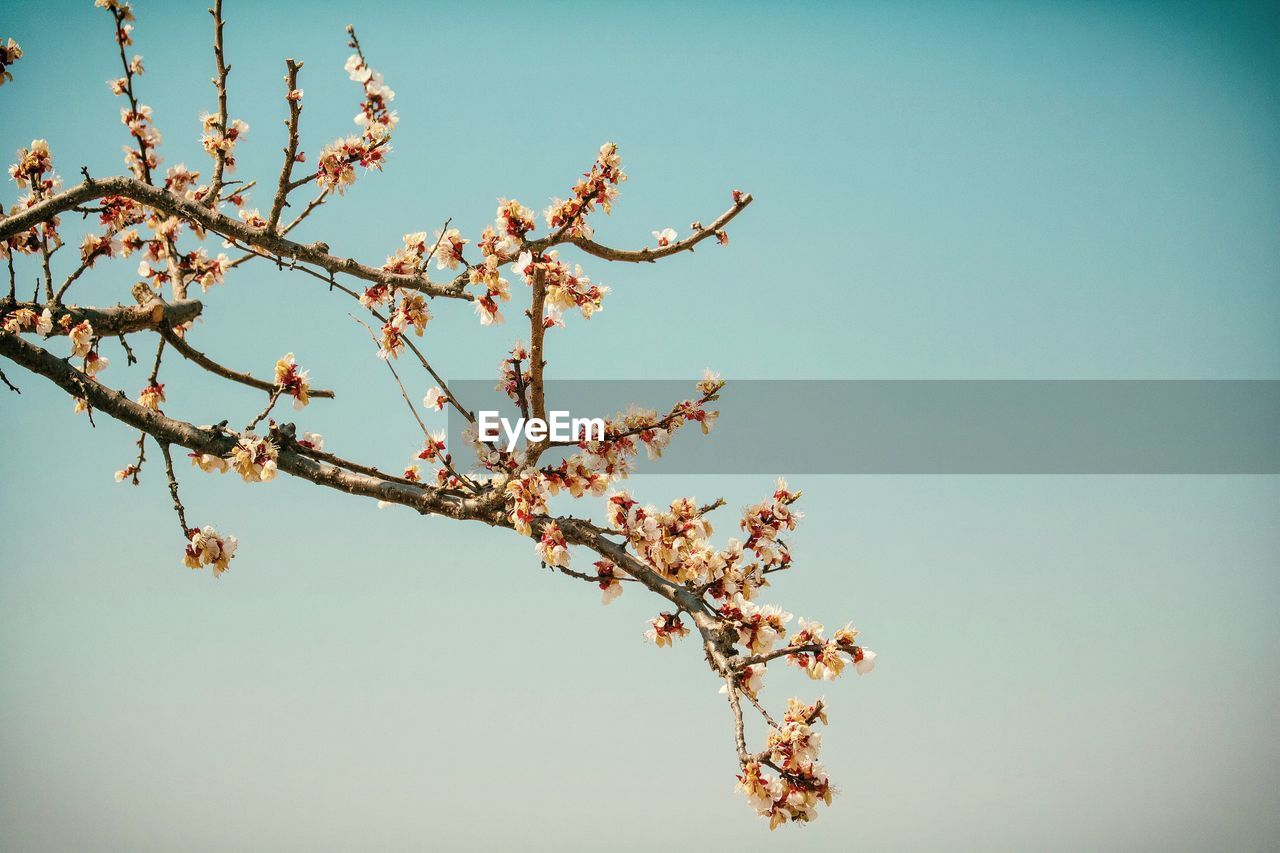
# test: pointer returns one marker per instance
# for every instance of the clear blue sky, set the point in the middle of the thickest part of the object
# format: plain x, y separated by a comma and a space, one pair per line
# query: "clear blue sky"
993, 190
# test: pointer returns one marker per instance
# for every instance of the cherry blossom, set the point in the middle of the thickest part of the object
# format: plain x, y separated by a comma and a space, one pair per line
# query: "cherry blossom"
81, 336
435, 399
95, 364
219, 142
610, 580
18, 320
254, 458
335, 168
207, 547
448, 249
864, 661
551, 547
292, 381
664, 627
209, 463
10, 52
598, 186
152, 396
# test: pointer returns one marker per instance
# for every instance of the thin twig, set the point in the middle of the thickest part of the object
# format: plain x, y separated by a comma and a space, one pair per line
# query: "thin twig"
220, 83
446, 459
5, 379
173, 489
130, 358
142, 455
291, 148
118, 14
275, 395
84, 265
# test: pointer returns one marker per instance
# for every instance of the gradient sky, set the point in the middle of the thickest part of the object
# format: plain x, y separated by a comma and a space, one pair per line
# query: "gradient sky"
990, 190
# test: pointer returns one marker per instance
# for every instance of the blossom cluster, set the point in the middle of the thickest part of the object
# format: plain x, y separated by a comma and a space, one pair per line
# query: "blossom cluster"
254, 458
552, 547
33, 172
506, 241
673, 542
207, 547
19, 320
375, 118
161, 258
34, 169
144, 158
411, 257
335, 169
763, 523
825, 659
411, 311
664, 627
598, 186
219, 141
136, 117
179, 180
527, 497
292, 381
565, 290
117, 213
123, 13
433, 450
499, 244
626, 432
599, 463
513, 375
448, 249
759, 627
801, 783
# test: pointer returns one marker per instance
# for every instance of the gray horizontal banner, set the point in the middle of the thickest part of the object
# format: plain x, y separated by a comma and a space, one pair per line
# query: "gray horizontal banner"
939, 426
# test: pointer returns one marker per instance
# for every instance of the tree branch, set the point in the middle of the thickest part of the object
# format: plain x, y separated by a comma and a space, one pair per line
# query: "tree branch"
423, 498
647, 255
190, 353
212, 220
537, 329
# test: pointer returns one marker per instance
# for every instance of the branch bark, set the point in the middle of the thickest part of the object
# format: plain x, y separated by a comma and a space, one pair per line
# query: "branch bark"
119, 320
